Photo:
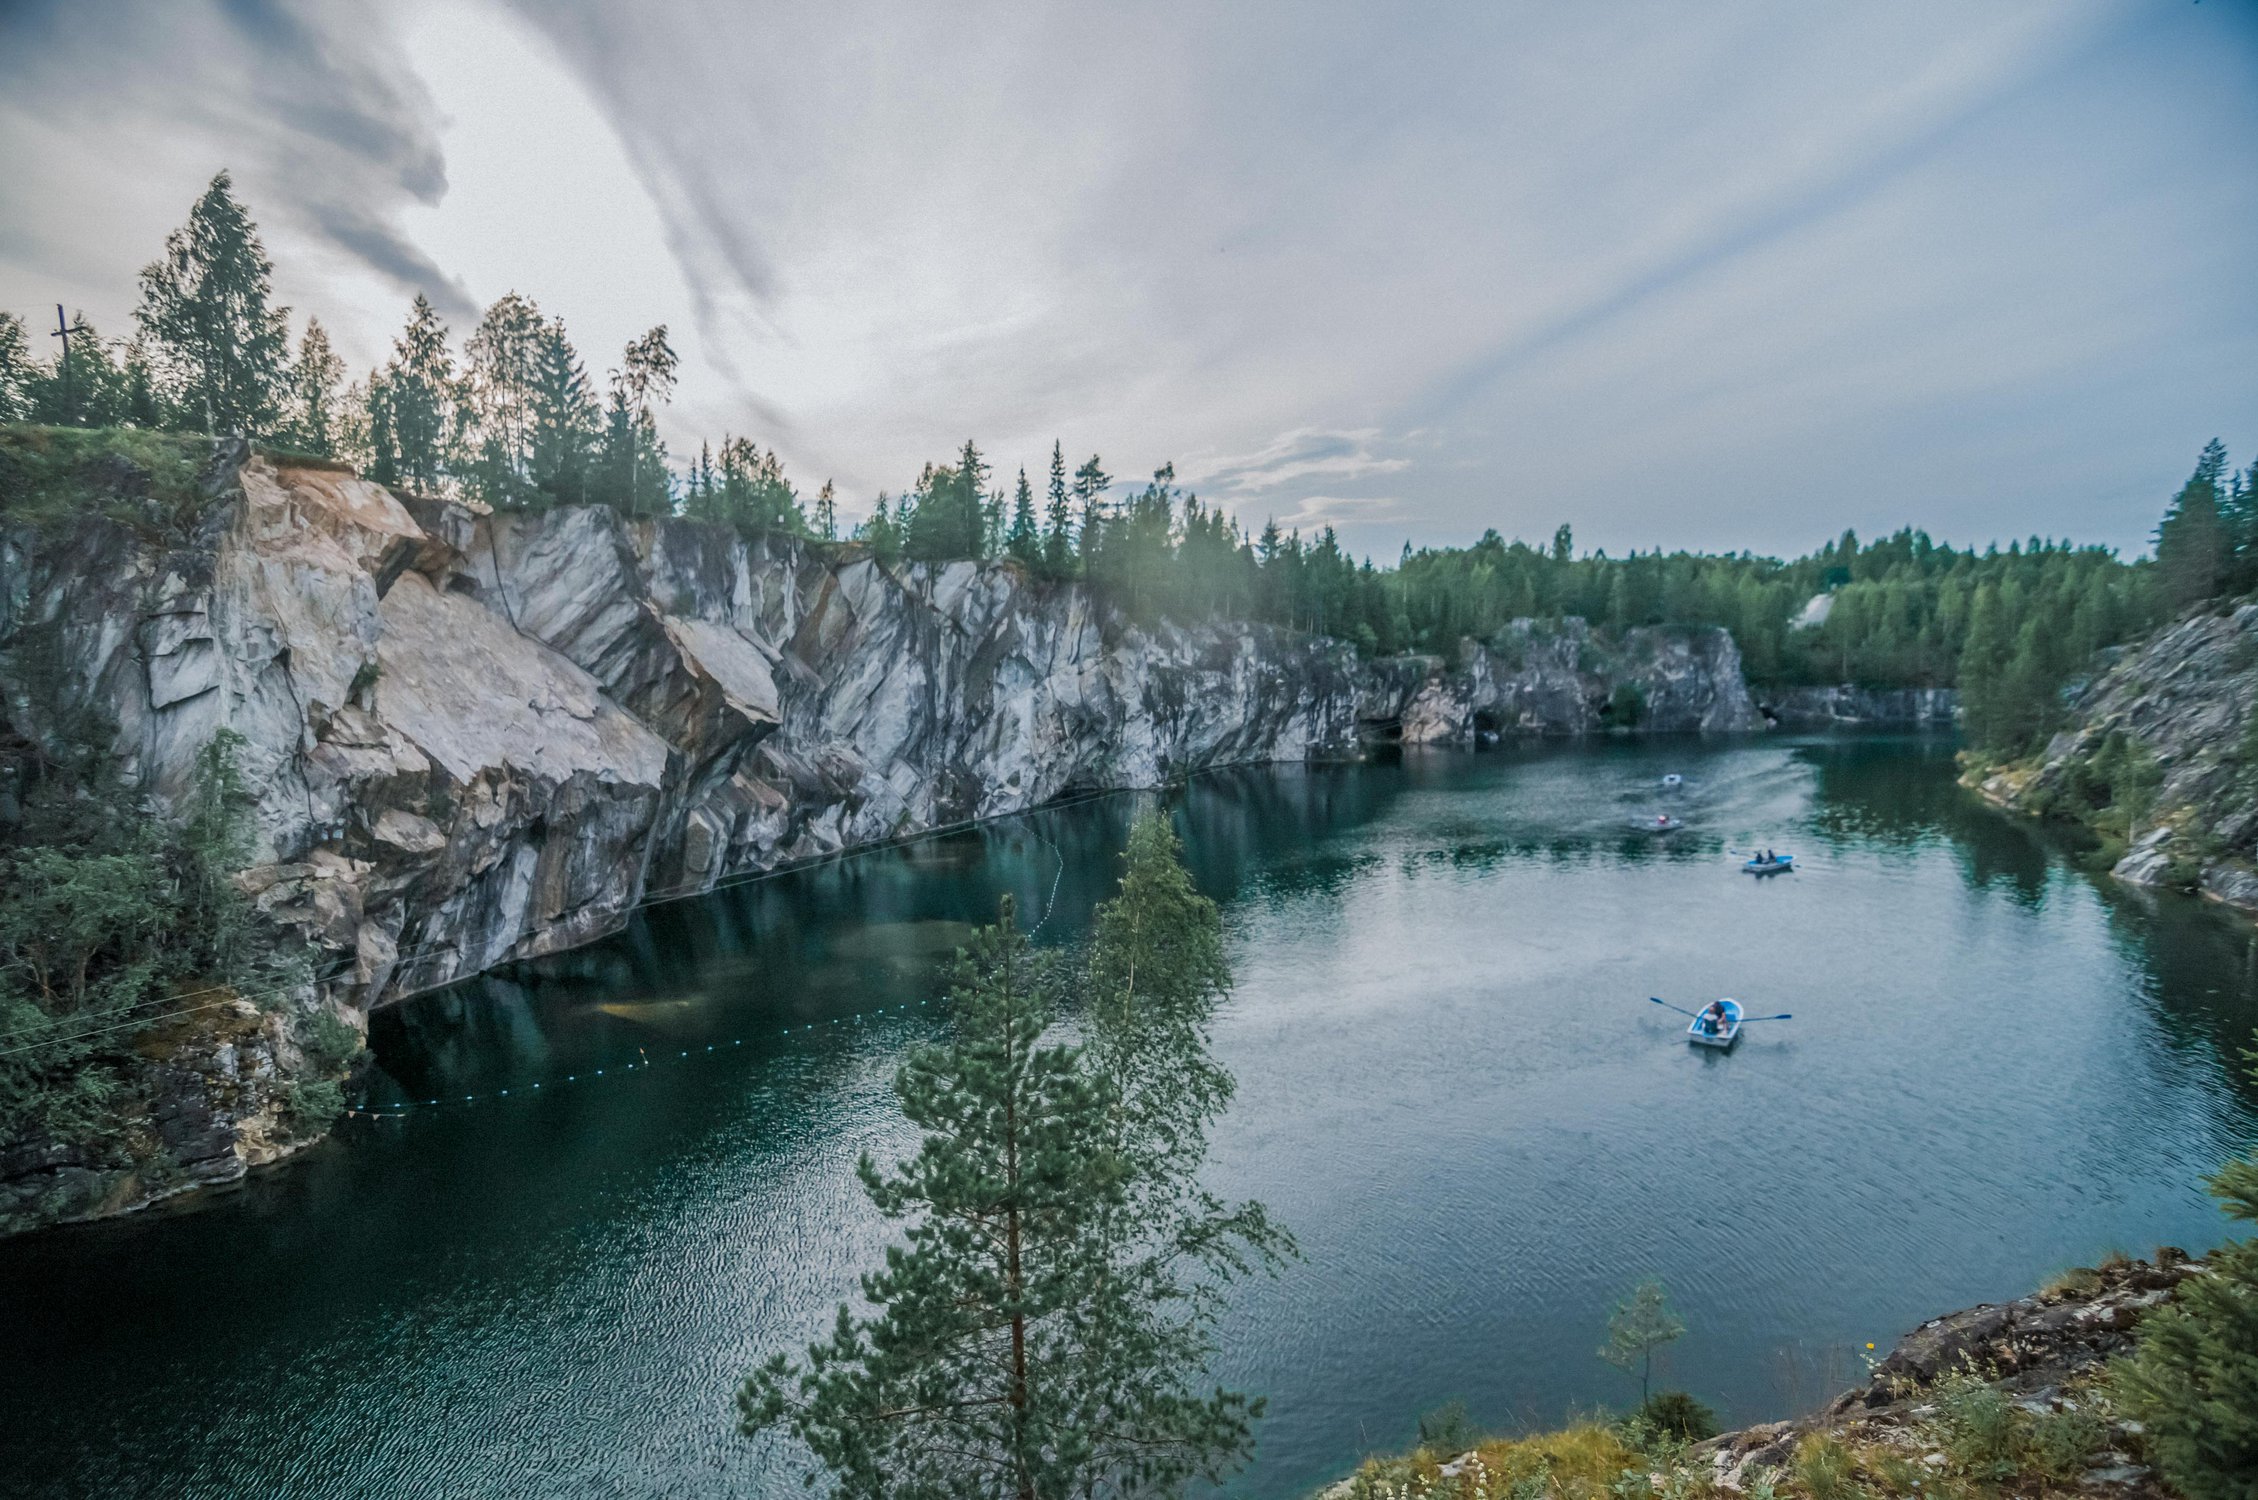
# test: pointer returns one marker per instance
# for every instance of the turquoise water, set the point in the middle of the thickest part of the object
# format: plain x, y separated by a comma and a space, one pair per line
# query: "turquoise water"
1452, 1088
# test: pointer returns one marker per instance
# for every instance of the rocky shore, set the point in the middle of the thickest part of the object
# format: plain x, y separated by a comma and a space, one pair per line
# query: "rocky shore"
2160, 754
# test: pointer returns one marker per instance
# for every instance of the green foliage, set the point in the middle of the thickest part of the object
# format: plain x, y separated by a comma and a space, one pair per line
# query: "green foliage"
1626, 707
1826, 1468
746, 489
2192, 1381
313, 423
1448, 1431
1640, 1324
51, 476
1677, 1414
105, 914
1043, 1327
204, 312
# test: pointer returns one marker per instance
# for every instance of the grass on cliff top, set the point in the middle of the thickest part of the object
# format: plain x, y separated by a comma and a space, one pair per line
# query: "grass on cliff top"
1969, 1439
51, 476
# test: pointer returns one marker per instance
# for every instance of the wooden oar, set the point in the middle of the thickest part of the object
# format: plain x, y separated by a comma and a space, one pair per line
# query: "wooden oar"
1784, 1015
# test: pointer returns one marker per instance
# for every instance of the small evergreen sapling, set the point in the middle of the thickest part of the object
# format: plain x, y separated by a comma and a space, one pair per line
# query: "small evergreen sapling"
1641, 1324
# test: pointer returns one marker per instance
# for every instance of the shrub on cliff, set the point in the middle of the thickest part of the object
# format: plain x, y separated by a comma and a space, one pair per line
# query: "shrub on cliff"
108, 917
2193, 1380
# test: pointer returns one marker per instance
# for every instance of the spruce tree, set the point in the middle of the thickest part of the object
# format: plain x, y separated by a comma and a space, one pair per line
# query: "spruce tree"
1024, 543
412, 409
825, 522
2192, 545
1058, 521
566, 423
313, 413
204, 313
1090, 484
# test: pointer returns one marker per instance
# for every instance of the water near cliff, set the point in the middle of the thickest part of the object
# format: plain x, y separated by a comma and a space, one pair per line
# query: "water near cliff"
1452, 1087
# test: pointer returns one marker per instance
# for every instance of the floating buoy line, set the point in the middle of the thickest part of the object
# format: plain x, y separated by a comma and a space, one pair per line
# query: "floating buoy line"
402, 1109
160, 1008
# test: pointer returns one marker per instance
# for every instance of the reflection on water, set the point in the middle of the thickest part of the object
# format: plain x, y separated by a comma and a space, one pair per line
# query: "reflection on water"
1452, 1088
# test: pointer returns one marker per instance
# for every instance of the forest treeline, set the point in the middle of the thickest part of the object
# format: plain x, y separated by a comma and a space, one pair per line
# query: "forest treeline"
512, 417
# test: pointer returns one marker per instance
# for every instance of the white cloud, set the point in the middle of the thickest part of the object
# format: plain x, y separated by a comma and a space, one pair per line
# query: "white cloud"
1717, 278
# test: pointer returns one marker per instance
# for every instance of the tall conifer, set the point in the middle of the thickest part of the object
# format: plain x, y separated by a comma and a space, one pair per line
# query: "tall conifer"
204, 313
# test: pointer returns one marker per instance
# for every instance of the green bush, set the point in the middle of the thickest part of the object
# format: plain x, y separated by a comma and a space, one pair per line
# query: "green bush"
2192, 1381
1448, 1431
1678, 1415
53, 475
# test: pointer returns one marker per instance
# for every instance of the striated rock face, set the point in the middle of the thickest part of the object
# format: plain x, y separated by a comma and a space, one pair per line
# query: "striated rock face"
1869, 708
1565, 680
2188, 696
476, 738
479, 738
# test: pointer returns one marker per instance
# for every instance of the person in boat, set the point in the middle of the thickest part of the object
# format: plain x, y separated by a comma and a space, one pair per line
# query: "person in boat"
1713, 1019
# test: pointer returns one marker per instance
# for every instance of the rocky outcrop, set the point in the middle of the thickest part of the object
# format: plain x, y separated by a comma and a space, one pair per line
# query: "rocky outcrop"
2041, 1353
1565, 679
1849, 706
2036, 1349
221, 1090
478, 738
2184, 704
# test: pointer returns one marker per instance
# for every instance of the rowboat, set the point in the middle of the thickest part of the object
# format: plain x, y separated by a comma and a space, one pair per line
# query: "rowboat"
1700, 1034
1773, 866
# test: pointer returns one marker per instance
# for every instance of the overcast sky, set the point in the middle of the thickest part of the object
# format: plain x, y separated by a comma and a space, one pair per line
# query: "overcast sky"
1729, 275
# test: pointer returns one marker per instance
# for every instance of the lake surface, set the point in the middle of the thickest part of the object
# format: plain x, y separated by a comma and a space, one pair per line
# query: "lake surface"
1452, 1088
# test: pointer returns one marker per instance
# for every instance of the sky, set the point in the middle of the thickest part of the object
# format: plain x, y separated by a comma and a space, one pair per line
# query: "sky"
1728, 276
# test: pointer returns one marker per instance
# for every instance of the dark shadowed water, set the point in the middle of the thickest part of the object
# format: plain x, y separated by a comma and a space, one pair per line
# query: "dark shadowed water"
1451, 1086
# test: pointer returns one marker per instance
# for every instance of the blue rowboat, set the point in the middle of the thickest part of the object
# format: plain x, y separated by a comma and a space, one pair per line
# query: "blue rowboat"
1704, 1033
1773, 866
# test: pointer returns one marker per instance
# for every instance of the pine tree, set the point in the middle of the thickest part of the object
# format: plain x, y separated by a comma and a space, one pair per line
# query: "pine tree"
971, 1376
1058, 521
1641, 1324
413, 407
311, 425
566, 422
204, 312
2192, 543
1046, 1329
1090, 484
826, 519
1024, 543
948, 520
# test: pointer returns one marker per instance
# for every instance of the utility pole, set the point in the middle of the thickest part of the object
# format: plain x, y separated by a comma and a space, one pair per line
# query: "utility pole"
63, 332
